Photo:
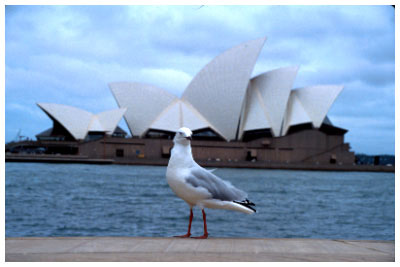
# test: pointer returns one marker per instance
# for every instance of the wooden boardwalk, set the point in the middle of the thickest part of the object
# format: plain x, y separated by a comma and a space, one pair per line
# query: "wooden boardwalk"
177, 249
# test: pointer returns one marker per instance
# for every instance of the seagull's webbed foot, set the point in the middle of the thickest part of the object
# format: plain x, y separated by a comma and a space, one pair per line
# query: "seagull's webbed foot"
183, 236
201, 237
190, 225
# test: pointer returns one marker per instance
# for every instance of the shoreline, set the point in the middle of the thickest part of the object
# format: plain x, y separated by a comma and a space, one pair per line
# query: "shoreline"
215, 164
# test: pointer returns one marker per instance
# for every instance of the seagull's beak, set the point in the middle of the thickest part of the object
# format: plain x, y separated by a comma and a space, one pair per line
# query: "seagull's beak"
189, 138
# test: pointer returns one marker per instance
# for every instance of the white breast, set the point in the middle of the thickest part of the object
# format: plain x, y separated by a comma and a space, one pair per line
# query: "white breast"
176, 180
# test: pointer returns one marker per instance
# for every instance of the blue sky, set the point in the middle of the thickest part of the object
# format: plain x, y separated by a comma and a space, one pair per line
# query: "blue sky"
69, 54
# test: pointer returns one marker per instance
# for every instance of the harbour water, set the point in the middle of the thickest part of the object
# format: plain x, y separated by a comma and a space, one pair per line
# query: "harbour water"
44, 199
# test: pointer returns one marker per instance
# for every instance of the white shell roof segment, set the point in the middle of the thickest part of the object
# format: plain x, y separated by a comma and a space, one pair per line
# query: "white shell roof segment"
109, 119
226, 79
317, 100
143, 102
192, 119
295, 113
169, 119
269, 93
178, 114
255, 115
95, 125
75, 120
79, 122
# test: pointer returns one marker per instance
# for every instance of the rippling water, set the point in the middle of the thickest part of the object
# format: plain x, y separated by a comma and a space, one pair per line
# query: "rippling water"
115, 200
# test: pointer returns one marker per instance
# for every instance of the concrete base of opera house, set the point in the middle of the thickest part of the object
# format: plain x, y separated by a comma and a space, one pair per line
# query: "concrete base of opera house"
187, 249
215, 164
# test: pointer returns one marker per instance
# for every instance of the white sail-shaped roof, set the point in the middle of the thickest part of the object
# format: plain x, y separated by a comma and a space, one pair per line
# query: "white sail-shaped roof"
224, 98
178, 114
219, 89
169, 119
295, 113
109, 119
255, 114
143, 102
268, 96
79, 122
317, 100
95, 125
74, 120
193, 119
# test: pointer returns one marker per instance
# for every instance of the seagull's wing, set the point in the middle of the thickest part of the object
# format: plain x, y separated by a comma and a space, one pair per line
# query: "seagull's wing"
218, 188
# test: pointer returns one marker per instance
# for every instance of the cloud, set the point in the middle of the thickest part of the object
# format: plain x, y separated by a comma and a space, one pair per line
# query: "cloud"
26, 110
69, 54
172, 80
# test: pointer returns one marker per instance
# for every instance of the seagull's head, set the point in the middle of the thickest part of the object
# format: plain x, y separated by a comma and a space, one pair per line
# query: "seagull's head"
183, 136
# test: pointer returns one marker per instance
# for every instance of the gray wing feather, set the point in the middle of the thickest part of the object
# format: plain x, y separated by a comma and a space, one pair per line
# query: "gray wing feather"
218, 188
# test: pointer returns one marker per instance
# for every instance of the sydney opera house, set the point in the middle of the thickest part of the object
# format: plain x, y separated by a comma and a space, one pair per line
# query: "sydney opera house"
235, 117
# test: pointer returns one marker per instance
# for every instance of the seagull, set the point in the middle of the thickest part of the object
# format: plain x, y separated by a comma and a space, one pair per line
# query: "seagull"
198, 186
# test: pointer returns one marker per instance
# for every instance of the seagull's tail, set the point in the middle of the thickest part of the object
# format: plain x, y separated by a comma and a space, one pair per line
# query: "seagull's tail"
242, 206
248, 205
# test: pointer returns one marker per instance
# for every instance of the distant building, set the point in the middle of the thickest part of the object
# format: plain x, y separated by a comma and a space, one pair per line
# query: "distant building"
234, 117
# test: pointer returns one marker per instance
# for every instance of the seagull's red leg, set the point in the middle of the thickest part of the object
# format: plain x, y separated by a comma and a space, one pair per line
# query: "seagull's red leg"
190, 225
205, 235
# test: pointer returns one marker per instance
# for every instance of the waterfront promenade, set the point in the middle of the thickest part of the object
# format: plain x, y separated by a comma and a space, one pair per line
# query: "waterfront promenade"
177, 249
212, 164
